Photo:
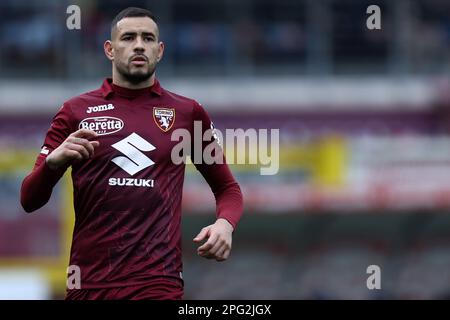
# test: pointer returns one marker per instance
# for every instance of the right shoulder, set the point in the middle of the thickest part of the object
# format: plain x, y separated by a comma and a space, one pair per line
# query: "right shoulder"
83, 100
72, 110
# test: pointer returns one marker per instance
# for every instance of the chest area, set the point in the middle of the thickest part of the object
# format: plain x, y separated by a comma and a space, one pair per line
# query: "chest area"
133, 128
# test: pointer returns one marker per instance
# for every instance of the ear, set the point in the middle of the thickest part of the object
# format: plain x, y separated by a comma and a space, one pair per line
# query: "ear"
160, 51
109, 51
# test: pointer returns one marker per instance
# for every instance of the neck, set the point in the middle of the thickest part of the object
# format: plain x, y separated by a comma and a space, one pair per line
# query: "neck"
119, 80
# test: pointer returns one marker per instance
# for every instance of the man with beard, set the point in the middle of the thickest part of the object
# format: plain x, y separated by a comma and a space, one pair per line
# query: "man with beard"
127, 190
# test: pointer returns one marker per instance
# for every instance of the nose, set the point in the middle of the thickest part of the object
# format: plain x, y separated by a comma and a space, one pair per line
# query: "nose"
139, 45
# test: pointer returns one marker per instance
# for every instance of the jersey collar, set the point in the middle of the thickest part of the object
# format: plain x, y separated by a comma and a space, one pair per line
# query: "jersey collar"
107, 88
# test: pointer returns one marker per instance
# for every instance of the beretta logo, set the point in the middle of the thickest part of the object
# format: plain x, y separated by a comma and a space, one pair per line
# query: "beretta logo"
102, 125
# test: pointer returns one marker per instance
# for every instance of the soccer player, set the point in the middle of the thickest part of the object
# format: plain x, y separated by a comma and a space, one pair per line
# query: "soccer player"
127, 190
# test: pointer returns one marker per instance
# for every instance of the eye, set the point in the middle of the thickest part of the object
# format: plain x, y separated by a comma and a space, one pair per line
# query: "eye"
148, 39
127, 38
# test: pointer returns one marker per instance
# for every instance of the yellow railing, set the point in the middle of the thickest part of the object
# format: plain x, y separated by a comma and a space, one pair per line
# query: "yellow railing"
53, 267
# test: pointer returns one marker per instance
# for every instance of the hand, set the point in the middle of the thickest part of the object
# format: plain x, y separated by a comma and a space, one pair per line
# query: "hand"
218, 245
75, 148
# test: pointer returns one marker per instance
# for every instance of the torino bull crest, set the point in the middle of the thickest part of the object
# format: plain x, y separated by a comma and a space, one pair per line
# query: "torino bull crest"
164, 118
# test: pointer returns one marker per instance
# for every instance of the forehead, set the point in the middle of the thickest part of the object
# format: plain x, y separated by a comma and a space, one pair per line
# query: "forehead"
136, 24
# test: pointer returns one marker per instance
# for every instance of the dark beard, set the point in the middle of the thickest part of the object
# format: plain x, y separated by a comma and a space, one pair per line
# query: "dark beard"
135, 78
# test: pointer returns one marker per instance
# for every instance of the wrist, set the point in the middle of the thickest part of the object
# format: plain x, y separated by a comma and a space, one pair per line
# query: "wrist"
52, 165
226, 223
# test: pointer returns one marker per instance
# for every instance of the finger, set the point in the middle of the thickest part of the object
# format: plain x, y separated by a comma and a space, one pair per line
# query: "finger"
207, 256
85, 143
74, 155
220, 255
94, 144
89, 147
226, 254
202, 235
84, 133
80, 149
209, 244
218, 246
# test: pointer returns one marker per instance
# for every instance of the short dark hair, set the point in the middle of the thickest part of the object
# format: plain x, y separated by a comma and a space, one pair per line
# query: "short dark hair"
132, 12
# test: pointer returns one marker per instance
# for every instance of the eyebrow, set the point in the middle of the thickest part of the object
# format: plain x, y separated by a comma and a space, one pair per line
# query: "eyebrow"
131, 33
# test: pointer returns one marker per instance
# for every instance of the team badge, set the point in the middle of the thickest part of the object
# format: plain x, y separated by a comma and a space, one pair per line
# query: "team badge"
164, 118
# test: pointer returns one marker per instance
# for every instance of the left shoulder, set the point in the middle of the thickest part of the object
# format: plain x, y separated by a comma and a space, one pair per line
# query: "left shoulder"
181, 100
182, 103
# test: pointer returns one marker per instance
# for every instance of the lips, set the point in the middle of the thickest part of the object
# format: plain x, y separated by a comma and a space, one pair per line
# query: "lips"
139, 60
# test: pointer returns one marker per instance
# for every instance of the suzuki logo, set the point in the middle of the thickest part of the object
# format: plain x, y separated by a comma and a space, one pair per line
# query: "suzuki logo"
134, 160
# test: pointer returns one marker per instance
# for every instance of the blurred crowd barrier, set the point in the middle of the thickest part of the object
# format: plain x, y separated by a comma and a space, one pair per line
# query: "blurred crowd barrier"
251, 37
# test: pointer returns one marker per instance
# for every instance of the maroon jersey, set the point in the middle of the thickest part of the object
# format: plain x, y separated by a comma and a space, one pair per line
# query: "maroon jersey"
127, 197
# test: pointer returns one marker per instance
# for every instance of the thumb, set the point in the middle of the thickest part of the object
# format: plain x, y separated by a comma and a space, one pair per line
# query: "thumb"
202, 235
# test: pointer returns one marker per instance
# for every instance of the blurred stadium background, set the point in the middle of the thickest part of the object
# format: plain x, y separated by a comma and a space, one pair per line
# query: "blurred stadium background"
364, 119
